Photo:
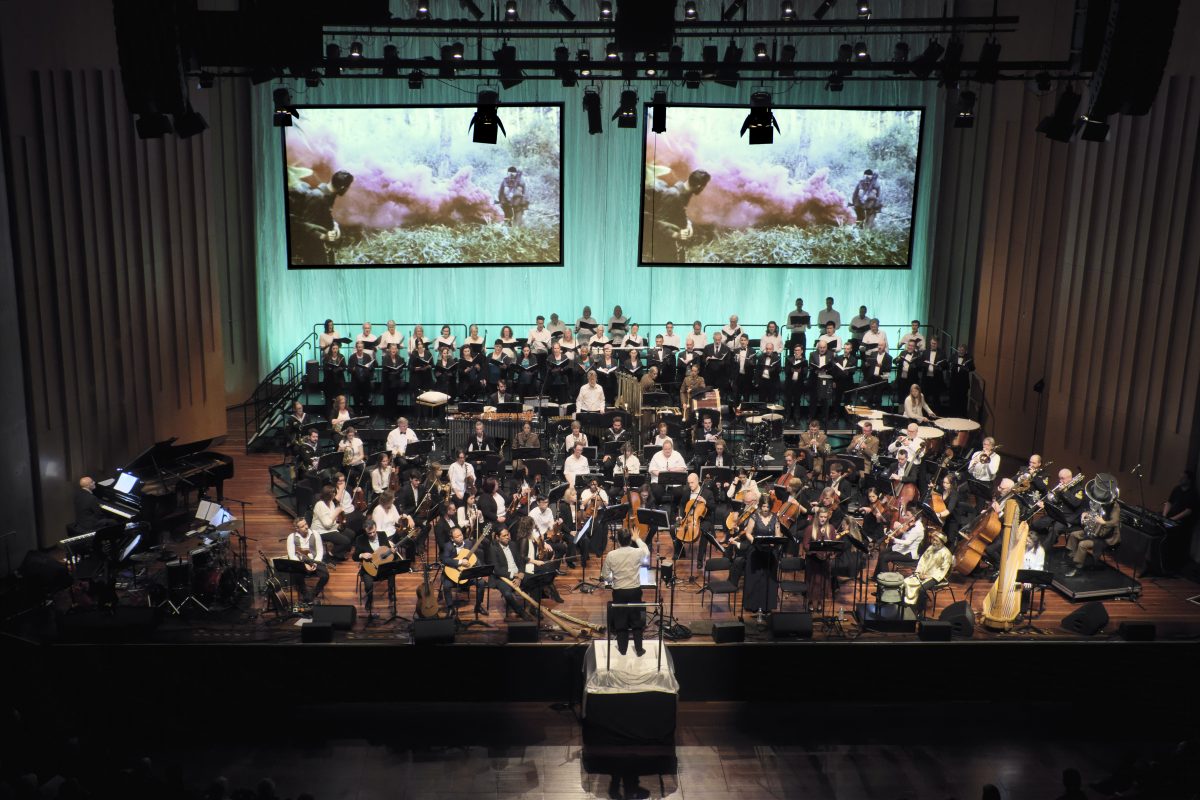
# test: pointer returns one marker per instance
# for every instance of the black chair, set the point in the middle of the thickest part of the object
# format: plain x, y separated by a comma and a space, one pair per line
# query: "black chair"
724, 586
791, 565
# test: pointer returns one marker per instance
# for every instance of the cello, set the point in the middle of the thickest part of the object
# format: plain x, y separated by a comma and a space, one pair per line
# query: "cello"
1002, 604
695, 510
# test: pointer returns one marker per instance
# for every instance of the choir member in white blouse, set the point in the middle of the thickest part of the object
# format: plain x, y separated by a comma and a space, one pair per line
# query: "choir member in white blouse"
772, 337
670, 337
445, 339
634, 339
368, 339
697, 339
328, 336
418, 335
391, 337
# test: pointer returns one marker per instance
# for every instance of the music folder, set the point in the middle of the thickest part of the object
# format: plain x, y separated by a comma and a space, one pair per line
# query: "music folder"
421, 447
718, 474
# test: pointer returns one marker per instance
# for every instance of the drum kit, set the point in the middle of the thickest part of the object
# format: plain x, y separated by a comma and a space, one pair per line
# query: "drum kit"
763, 429
208, 573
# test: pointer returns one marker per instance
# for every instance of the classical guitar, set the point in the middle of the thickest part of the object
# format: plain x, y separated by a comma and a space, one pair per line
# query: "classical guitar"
467, 558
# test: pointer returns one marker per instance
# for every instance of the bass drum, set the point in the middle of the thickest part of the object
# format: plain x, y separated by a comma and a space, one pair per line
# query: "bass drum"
217, 584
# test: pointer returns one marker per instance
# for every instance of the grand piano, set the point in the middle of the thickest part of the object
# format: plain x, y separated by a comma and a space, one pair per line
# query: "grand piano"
164, 473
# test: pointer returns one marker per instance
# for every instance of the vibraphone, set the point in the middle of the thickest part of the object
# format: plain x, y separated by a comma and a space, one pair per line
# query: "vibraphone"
496, 426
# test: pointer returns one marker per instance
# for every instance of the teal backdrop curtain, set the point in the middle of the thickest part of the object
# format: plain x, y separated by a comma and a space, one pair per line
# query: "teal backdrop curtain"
601, 185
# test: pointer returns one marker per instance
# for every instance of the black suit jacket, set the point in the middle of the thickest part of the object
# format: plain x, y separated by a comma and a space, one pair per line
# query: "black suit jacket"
449, 552
88, 514
404, 498
876, 371
487, 504
496, 558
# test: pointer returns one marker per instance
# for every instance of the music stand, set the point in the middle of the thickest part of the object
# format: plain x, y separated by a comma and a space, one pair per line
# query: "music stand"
329, 461
649, 451
510, 408
470, 407
390, 570
830, 623
860, 581
526, 453
466, 576
287, 566
584, 479
1037, 579
585, 586
655, 399
539, 581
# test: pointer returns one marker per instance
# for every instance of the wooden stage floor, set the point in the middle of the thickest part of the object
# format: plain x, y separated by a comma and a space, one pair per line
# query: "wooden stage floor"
1163, 601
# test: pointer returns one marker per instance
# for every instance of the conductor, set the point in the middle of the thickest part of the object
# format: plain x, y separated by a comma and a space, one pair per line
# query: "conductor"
623, 566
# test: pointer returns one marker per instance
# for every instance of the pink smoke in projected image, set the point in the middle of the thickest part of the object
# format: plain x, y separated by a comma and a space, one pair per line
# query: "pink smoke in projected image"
744, 194
385, 196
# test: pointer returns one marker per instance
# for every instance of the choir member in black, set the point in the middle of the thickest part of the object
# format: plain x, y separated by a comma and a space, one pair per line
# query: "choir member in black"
845, 363
606, 371
795, 379
306, 453
362, 376
583, 365
470, 374
479, 441
501, 395
365, 545
663, 357
392, 366
820, 382
632, 365
907, 366
445, 373
766, 374
449, 558
959, 368
420, 368
528, 372
715, 368
741, 369
877, 372
818, 564
333, 370
558, 375
497, 366
759, 564
932, 371
509, 561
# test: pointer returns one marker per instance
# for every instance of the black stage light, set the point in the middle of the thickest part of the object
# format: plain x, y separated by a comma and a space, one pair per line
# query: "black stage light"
651, 65
206, 80
860, 52
510, 72
965, 113
841, 64
605, 10
733, 9
585, 60
787, 55
900, 58
658, 112
952, 62
510, 11
760, 51
989, 61
834, 83
284, 110
823, 9
691, 79
189, 123
727, 74
416, 79
567, 75
760, 122
472, 8
864, 9
356, 49
690, 14
626, 114
391, 61
611, 53
787, 11
560, 8
156, 126
591, 106
1060, 125
452, 54
312, 79
333, 54
486, 121
709, 55
674, 62
922, 65
422, 9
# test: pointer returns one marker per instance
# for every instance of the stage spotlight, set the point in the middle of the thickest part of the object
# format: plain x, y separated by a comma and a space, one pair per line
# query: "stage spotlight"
567, 75
452, 54
312, 79
834, 83
787, 55
658, 112
691, 79
952, 62
284, 110
1091, 129
472, 8
727, 74
626, 114
605, 10
333, 54
611, 53
391, 61
205, 80
760, 51
922, 65
823, 9
900, 58
356, 49
510, 11
965, 112
690, 14
422, 9
190, 123
841, 64
864, 9
709, 56
585, 59
510, 72
651, 65
1060, 125
591, 106
1042, 83
989, 61
860, 52
733, 9
486, 121
156, 126
760, 122
416, 79
560, 8
787, 11
675, 63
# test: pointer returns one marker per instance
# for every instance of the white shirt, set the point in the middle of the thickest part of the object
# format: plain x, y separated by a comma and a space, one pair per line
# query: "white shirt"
986, 471
730, 335
386, 519
877, 338
832, 342
380, 479
631, 464
661, 463
574, 439
387, 338
917, 409
355, 447
574, 465
340, 418
326, 340
860, 322
623, 565
671, 340
397, 442
510, 569
458, 476
829, 315
312, 543
696, 341
591, 398
907, 360
345, 502
776, 343
324, 519
543, 519
539, 341
444, 341
587, 496
912, 446
908, 543
1035, 558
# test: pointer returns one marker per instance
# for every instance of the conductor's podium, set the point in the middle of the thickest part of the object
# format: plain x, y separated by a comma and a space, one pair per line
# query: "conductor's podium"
629, 700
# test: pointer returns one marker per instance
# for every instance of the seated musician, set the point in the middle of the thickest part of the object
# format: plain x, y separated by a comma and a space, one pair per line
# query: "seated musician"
649, 380
903, 540
387, 516
575, 464
793, 466
591, 395
446, 523
932, 568
398, 440
365, 545
719, 457
1101, 524
915, 406
982, 466
865, 444
307, 454
694, 493
353, 453
873, 519
493, 503
594, 497
1068, 502
541, 558
992, 552
325, 525
666, 460
814, 447
626, 463
566, 515
706, 431
839, 483
88, 514
339, 413
623, 568
910, 441
510, 563
479, 441
296, 420
526, 439
459, 471
501, 395
381, 475
576, 436
747, 487
904, 471
956, 513
450, 557
409, 497
664, 433
306, 545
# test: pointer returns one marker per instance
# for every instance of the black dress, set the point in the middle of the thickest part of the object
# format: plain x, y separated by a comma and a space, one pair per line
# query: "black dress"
761, 590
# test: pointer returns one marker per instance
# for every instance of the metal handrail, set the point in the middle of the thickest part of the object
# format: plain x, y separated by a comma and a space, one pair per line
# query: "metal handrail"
404, 327
278, 388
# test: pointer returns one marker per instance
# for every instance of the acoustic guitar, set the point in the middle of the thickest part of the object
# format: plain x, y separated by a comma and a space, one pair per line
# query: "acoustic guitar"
427, 601
466, 558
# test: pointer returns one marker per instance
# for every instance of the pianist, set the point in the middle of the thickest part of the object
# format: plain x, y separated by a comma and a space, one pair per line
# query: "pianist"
88, 514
